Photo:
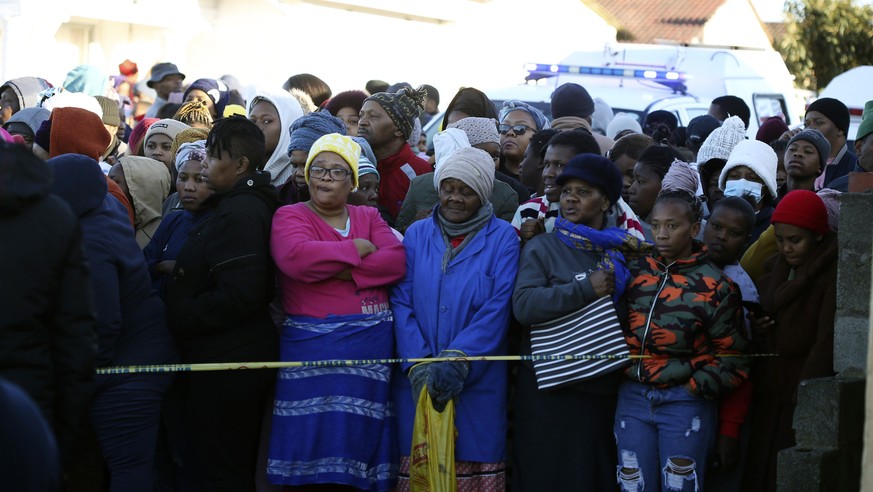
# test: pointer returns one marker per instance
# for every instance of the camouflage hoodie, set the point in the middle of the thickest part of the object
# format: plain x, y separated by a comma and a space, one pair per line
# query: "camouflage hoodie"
682, 314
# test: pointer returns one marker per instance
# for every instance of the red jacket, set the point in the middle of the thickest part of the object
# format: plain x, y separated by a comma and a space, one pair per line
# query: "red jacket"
396, 173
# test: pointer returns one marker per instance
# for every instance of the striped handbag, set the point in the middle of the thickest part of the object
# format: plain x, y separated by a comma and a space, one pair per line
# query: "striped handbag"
592, 330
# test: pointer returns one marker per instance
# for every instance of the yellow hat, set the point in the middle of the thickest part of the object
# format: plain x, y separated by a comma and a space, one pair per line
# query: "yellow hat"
341, 145
234, 109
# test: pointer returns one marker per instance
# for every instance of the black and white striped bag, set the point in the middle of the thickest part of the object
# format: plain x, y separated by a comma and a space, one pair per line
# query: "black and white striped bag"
592, 330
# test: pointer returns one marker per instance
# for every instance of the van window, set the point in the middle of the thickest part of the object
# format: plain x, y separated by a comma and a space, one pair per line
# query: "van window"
767, 105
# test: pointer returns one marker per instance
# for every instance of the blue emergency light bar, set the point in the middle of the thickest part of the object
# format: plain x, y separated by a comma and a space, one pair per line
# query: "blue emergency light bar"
670, 78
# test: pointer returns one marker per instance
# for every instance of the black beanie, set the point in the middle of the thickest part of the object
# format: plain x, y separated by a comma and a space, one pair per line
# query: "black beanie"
571, 100
833, 110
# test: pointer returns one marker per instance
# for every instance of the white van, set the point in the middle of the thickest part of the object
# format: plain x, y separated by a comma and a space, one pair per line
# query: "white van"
640, 78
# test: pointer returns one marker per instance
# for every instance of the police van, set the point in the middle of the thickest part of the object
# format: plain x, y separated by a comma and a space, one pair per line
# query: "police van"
683, 79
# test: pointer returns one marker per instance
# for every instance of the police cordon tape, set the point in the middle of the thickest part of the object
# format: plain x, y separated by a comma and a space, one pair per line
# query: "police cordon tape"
233, 366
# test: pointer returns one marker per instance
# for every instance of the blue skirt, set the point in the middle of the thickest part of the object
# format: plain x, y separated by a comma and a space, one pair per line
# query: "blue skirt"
335, 425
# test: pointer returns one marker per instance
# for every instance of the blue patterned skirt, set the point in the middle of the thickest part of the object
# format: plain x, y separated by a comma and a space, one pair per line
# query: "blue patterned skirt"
334, 425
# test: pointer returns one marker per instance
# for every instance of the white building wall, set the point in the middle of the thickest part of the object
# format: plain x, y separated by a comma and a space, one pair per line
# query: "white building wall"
735, 23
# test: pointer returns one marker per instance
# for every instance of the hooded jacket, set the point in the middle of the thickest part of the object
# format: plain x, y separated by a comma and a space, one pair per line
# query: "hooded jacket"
47, 322
148, 181
131, 324
219, 294
682, 314
279, 163
26, 89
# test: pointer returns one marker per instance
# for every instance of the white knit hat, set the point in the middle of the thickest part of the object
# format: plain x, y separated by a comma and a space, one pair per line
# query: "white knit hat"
757, 156
722, 140
622, 121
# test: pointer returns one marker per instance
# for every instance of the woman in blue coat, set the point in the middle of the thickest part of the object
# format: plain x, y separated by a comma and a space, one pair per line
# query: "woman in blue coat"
455, 301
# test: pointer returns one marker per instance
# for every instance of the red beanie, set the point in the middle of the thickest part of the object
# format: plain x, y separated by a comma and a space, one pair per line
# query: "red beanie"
78, 131
802, 208
137, 134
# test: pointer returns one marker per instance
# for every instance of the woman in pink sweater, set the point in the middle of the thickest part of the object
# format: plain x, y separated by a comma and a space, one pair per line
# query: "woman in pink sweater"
331, 424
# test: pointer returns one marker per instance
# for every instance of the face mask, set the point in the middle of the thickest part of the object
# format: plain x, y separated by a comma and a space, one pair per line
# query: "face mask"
744, 187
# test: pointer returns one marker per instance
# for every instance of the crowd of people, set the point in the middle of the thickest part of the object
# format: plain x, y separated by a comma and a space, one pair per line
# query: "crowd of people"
222, 223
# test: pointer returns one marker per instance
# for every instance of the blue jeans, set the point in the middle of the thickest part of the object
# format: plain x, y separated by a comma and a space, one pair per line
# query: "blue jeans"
663, 437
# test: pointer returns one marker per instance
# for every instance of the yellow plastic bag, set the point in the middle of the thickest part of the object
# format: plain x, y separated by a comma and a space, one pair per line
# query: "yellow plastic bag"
432, 460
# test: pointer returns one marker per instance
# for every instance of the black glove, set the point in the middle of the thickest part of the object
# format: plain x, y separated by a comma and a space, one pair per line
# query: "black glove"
417, 378
446, 379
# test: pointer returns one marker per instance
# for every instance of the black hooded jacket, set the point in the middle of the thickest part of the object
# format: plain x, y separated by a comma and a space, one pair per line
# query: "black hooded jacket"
47, 321
224, 279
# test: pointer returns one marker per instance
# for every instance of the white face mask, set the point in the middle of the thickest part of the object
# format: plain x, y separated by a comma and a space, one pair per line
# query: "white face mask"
743, 187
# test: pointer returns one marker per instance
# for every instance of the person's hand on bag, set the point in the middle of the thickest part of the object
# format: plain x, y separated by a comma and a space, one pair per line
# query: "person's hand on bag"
417, 375
446, 379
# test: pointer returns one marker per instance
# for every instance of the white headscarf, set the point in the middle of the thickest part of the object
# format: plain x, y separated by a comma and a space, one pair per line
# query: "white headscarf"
279, 163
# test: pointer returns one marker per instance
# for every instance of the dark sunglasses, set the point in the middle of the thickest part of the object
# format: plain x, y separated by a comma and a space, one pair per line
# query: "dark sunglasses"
503, 129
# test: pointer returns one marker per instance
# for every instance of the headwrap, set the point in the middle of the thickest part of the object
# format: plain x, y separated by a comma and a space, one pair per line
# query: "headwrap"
571, 99
804, 209
680, 176
187, 136
278, 163
309, 128
614, 245
514, 105
339, 144
478, 130
834, 110
597, 171
87, 79
190, 151
215, 89
471, 102
403, 107
757, 156
474, 167
447, 142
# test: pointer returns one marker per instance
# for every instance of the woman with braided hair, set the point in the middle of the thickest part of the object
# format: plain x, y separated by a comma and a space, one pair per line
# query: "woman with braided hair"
685, 321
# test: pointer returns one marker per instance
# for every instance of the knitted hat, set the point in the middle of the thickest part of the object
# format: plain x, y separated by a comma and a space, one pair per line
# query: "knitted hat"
833, 110
771, 129
348, 99
136, 135
757, 156
622, 121
190, 151
817, 139
831, 200
87, 79
722, 140
402, 106
31, 117
474, 167
866, 126
161, 70
167, 127
571, 100
366, 167
595, 170
309, 128
77, 131
539, 118
188, 135
110, 111
478, 130
215, 89
701, 127
802, 208
339, 144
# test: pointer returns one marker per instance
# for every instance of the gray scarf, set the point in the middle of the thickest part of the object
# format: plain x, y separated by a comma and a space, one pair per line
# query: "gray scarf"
469, 228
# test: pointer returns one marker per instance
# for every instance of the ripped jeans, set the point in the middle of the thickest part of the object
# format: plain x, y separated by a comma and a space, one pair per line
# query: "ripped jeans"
663, 437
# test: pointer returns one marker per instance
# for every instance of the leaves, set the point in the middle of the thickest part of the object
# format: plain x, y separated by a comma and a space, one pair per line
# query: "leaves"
824, 38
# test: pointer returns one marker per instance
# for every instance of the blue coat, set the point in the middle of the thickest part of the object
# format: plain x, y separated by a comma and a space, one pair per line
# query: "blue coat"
465, 308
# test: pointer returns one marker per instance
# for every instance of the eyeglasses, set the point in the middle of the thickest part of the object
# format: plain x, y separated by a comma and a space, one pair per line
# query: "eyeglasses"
503, 129
336, 174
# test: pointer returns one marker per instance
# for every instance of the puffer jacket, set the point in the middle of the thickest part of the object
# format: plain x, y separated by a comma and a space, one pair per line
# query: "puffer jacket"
681, 315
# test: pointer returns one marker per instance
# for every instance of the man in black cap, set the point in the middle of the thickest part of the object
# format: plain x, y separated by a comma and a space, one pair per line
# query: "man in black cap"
831, 118
572, 108
165, 80
698, 129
